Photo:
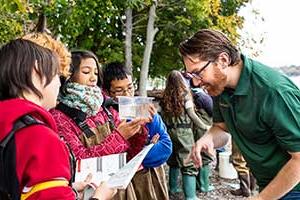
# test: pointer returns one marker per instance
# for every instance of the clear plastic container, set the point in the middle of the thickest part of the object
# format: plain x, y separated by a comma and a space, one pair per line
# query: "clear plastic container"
126, 107
132, 107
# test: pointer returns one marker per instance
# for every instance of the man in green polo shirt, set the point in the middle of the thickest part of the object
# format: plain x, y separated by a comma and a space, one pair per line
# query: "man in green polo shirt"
257, 105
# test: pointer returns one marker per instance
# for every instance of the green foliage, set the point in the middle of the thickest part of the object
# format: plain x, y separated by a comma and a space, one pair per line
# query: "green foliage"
231, 7
10, 27
138, 4
19, 17
179, 19
98, 25
90, 24
12, 17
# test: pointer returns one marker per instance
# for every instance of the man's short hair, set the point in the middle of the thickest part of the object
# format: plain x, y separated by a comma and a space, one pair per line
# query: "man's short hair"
208, 45
18, 59
114, 71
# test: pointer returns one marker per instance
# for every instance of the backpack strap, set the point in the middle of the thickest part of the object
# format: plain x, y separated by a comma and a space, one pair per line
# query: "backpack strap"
110, 102
9, 185
110, 118
72, 160
78, 117
20, 123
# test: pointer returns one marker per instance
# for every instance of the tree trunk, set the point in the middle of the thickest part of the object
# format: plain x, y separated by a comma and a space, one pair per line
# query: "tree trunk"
128, 39
151, 31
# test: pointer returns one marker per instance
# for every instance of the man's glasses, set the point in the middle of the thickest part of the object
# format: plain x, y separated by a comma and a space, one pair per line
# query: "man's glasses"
197, 74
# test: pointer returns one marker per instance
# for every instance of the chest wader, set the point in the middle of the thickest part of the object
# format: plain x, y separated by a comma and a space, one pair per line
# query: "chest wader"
150, 183
202, 181
181, 134
94, 136
9, 184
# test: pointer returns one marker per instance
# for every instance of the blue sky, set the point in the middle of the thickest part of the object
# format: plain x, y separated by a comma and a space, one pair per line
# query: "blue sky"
280, 29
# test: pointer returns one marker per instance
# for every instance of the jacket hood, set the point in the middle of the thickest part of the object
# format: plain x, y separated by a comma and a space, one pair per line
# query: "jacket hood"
13, 109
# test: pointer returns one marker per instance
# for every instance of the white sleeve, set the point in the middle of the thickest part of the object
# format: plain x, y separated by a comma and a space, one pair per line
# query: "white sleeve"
189, 104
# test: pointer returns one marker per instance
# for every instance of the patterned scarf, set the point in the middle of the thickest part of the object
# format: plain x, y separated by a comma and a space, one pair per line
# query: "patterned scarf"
85, 98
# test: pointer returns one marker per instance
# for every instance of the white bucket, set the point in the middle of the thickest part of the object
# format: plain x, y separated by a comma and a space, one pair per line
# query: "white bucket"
226, 169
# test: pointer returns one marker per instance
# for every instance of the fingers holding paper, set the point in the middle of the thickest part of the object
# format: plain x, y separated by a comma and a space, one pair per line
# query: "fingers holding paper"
104, 192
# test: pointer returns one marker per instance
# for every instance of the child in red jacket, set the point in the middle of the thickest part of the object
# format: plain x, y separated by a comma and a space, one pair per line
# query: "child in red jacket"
29, 86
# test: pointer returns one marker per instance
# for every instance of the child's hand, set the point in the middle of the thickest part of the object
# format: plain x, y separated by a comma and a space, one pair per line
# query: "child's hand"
129, 129
155, 138
152, 110
81, 185
103, 192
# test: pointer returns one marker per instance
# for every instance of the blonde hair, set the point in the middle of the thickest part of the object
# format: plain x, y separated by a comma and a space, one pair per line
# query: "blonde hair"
46, 41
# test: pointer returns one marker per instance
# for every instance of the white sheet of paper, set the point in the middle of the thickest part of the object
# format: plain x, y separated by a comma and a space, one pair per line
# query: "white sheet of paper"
102, 168
122, 178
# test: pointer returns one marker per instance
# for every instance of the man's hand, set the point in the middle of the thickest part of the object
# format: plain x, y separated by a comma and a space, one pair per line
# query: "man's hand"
203, 144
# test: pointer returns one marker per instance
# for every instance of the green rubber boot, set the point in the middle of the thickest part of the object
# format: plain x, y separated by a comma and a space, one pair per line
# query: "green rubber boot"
203, 178
189, 187
173, 177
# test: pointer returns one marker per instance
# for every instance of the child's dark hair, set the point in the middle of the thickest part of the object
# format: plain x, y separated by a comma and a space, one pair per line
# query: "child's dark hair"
18, 59
113, 71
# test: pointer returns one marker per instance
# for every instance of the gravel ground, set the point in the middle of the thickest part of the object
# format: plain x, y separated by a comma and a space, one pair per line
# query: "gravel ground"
221, 192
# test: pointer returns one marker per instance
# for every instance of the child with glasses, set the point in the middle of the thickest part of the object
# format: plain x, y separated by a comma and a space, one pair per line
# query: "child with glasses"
149, 182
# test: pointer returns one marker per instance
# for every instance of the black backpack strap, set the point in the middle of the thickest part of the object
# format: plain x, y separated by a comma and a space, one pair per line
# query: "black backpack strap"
78, 117
110, 118
72, 160
9, 185
110, 102
86, 129
76, 114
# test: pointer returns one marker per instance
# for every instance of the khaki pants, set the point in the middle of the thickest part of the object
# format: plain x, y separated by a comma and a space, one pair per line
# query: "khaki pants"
127, 194
238, 160
151, 184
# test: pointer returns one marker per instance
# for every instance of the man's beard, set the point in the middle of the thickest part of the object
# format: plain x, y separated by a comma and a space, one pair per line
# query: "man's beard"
216, 87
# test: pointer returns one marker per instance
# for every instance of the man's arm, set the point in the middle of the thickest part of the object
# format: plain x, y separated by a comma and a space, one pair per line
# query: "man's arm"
220, 134
287, 178
281, 112
215, 137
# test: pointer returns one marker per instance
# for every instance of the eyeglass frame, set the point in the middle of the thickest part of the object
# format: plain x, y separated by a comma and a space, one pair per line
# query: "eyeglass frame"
197, 74
128, 90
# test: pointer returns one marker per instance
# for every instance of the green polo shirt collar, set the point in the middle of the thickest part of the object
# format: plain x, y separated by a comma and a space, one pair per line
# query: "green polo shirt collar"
243, 85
